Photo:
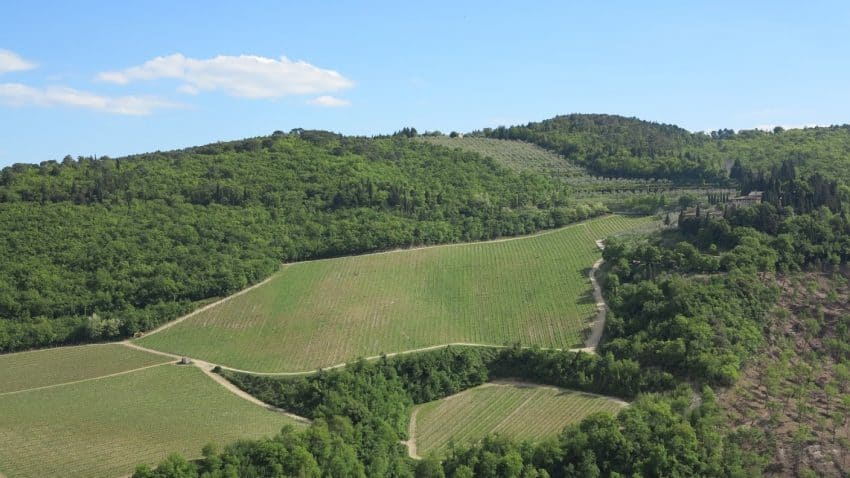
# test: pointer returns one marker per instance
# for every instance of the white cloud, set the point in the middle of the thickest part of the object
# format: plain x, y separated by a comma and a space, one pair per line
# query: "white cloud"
245, 76
16, 94
9, 61
329, 101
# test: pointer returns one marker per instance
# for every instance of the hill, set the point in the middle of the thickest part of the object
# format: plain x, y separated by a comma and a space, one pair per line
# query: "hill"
611, 145
531, 290
96, 249
519, 156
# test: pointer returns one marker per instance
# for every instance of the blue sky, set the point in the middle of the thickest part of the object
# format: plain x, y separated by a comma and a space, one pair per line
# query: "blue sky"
112, 78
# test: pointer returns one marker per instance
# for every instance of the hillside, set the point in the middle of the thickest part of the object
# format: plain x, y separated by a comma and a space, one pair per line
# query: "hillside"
611, 145
139, 417
726, 330
509, 409
519, 156
97, 249
531, 290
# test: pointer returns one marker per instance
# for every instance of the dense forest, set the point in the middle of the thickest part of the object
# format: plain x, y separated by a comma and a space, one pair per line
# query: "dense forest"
97, 249
615, 146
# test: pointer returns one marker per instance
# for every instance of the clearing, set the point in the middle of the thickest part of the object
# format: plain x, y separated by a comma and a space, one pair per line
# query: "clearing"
517, 410
105, 427
516, 155
533, 290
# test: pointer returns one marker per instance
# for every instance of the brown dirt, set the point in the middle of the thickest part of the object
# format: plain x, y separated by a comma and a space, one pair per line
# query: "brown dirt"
411, 437
785, 387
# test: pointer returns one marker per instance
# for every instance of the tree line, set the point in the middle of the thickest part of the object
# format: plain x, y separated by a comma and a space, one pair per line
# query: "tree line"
361, 414
101, 248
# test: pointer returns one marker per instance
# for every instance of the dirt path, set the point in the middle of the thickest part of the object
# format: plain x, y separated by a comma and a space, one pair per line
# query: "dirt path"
208, 306
411, 434
456, 244
207, 368
393, 251
598, 325
101, 377
389, 355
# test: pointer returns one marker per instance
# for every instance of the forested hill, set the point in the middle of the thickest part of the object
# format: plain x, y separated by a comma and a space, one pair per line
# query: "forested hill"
617, 146
94, 249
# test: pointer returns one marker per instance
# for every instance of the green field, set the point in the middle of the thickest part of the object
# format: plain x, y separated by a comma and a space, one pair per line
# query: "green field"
106, 427
522, 412
516, 155
45, 368
532, 290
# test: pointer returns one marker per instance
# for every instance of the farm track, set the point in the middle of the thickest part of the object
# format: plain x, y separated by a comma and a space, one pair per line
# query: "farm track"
589, 350
392, 251
410, 443
208, 306
207, 368
598, 325
116, 374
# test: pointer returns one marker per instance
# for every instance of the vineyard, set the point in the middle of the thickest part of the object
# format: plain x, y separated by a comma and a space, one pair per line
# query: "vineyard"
519, 411
50, 367
106, 427
531, 290
516, 155
526, 157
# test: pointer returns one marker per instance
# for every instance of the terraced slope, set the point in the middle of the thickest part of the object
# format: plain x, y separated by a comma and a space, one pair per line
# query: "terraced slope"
104, 427
532, 290
519, 411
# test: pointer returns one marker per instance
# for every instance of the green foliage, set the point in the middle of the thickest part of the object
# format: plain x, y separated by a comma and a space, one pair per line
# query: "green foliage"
472, 293
655, 436
628, 147
699, 327
625, 147
140, 240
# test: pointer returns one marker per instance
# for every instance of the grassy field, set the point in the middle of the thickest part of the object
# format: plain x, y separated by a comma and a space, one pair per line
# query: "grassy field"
106, 427
44, 368
516, 155
532, 290
522, 412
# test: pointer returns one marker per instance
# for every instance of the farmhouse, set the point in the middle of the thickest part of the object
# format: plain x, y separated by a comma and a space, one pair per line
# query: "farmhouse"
754, 197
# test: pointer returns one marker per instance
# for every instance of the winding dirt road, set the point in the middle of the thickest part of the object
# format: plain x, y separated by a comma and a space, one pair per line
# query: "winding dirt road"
596, 329
598, 325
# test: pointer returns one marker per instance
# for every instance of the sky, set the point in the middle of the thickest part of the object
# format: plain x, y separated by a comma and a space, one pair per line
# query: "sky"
116, 78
